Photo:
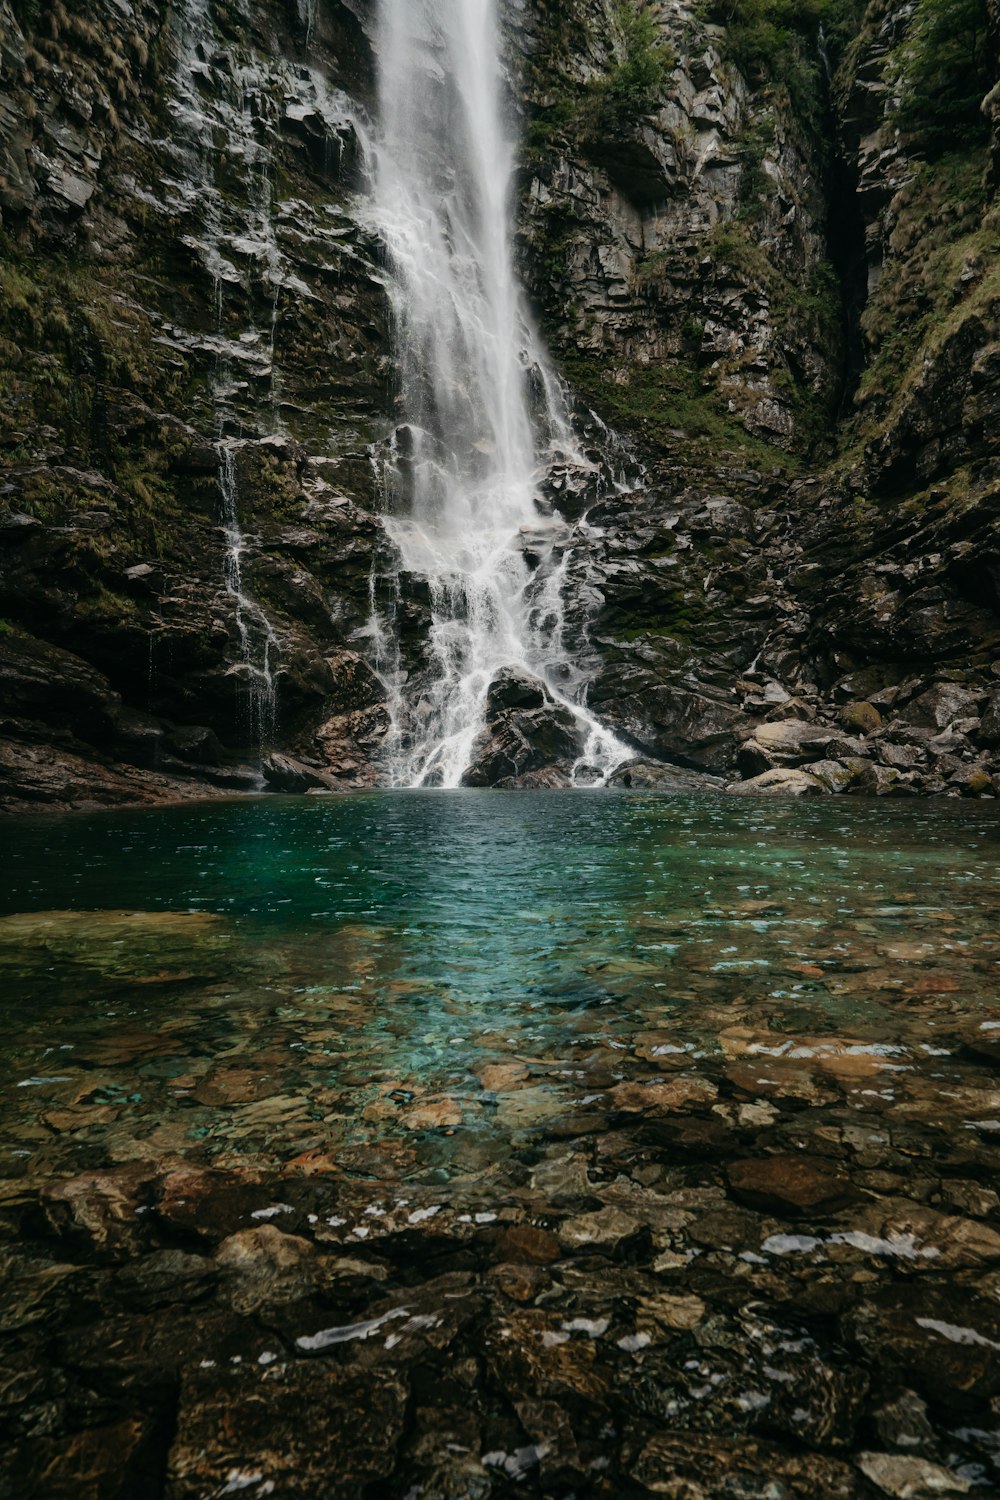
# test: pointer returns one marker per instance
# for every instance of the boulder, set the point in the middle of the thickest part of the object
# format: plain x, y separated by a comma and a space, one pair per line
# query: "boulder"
266, 1266
195, 742
780, 783
605, 1229
573, 488
521, 741
116, 1460
789, 1184
910, 1478
902, 757
512, 688
99, 1210
834, 774
989, 724
860, 718
785, 742
528, 738
653, 776
885, 781
722, 516
349, 744
974, 781
285, 773
295, 1423
525, 1244
690, 1466
670, 719
940, 705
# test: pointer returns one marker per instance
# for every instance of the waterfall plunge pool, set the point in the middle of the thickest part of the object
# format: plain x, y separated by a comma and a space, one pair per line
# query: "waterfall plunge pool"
361, 961
676, 1090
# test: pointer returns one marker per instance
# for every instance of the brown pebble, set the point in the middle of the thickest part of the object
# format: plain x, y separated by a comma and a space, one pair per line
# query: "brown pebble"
789, 1184
524, 1244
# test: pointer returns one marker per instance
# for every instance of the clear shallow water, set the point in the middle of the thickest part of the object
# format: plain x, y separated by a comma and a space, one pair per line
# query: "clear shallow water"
426, 984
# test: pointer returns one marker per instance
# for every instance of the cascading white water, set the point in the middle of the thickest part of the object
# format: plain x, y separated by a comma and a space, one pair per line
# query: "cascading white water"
469, 457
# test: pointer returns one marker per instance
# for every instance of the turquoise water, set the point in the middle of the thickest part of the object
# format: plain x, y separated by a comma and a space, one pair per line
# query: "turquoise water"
405, 984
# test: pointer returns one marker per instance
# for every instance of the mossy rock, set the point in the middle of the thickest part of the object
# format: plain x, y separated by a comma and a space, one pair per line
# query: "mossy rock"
860, 718
92, 951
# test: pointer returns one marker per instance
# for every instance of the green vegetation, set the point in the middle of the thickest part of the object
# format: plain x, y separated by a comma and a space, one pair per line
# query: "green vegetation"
776, 42
758, 138
68, 333
78, 370
946, 66
665, 398
637, 79
639, 65
805, 313
943, 239
556, 227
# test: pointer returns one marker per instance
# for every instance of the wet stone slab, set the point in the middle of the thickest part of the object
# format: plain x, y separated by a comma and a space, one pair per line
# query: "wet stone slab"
661, 1159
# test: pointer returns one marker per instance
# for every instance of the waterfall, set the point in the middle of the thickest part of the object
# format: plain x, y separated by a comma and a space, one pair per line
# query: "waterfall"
824, 55
481, 417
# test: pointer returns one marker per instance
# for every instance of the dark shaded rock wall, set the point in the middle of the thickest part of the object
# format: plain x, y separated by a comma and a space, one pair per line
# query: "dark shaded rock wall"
183, 271
778, 321
792, 318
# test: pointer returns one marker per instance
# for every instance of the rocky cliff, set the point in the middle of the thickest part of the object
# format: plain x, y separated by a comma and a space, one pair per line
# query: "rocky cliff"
770, 288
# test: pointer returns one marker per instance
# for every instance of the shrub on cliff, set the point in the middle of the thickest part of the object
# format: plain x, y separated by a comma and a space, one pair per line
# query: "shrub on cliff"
946, 71
635, 84
606, 108
777, 42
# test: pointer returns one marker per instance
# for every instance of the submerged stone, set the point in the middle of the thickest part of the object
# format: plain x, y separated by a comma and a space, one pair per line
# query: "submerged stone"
327, 1430
704, 1157
790, 1184
90, 949
911, 1478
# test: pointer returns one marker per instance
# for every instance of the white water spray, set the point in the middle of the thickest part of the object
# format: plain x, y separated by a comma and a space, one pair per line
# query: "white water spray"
469, 457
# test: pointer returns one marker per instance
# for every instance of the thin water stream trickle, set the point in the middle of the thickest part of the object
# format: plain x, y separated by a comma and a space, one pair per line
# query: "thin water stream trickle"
481, 416
259, 645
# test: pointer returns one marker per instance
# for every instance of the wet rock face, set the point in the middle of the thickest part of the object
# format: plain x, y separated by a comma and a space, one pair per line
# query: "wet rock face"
197, 169
633, 232
719, 580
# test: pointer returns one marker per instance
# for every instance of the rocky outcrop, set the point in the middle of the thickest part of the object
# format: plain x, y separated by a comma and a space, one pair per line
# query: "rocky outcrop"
679, 259
528, 738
